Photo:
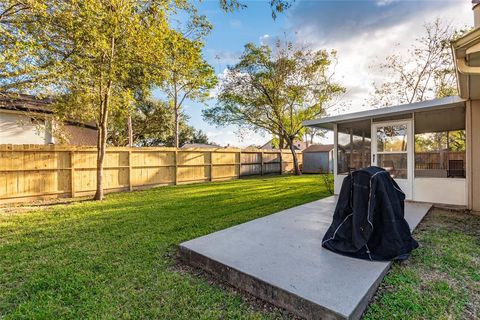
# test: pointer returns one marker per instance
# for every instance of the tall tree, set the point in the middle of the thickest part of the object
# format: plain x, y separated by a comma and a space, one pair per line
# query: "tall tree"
85, 52
152, 122
188, 75
99, 44
312, 133
277, 6
425, 72
274, 90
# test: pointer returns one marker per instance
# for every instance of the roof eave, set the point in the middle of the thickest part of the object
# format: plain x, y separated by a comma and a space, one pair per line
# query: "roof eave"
329, 122
470, 39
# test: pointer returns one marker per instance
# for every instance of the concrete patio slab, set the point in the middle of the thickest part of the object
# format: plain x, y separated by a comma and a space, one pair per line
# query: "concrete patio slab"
279, 258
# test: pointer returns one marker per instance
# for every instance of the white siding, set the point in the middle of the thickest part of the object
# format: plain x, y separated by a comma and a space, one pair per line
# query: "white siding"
441, 190
19, 129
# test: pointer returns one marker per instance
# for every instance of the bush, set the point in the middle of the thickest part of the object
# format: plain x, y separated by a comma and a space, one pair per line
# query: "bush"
328, 182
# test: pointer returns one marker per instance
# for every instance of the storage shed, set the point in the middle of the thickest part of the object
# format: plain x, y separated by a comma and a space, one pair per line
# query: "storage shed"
318, 158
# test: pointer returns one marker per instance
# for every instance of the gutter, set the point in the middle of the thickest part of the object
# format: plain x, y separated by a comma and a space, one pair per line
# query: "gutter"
463, 68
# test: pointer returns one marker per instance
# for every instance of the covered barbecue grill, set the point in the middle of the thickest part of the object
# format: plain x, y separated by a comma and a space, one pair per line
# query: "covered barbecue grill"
369, 222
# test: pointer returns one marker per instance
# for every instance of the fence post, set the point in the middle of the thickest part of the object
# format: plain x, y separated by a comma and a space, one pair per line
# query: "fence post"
281, 165
261, 163
130, 185
239, 164
176, 167
211, 165
72, 173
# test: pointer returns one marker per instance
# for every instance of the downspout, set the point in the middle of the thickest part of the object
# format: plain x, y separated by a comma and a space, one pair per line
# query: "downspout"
465, 69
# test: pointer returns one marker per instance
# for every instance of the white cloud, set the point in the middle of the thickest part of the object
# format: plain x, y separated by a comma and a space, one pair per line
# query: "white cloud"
264, 39
385, 2
231, 136
360, 49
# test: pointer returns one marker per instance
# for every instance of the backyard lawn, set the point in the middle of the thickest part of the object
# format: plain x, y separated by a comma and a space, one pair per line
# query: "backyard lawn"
442, 278
116, 259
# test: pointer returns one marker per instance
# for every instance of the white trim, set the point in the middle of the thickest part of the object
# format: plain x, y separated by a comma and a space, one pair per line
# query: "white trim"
335, 149
447, 102
468, 153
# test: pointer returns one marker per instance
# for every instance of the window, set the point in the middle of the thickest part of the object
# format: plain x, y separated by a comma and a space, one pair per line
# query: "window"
354, 146
440, 143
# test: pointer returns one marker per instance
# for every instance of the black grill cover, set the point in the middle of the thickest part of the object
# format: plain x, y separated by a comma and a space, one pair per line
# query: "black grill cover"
369, 222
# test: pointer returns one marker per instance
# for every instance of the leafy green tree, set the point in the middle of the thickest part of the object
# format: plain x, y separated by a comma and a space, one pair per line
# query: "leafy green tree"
85, 53
152, 122
188, 75
275, 90
189, 134
312, 133
99, 44
278, 6
25, 59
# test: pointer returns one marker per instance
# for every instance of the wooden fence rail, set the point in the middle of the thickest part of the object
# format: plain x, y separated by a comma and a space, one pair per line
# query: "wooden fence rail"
30, 172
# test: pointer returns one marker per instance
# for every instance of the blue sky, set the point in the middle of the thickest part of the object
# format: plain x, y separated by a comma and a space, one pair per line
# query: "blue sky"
361, 31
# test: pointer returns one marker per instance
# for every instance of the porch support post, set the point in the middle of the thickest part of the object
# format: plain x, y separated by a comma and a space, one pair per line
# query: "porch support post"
335, 156
351, 149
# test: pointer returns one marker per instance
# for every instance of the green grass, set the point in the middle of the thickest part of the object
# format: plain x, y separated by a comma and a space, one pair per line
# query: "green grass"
442, 278
115, 259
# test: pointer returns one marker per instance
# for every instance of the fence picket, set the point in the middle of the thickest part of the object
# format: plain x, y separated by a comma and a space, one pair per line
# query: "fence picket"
30, 172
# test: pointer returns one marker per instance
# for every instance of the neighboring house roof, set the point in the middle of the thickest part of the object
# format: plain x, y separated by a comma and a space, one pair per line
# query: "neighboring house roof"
24, 102
79, 136
297, 145
267, 145
319, 148
328, 122
200, 145
29, 103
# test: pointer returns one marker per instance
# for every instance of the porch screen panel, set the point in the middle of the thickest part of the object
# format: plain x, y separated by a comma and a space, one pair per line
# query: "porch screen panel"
391, 146
440, 143
353, 146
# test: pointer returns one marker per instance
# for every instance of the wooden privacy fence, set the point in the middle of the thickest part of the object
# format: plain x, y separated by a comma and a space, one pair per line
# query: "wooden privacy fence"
29, 172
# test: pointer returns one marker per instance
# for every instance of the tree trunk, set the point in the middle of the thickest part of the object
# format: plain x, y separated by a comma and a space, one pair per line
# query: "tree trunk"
281, 142
296, 166
102, 130
130, 131
101, 148
177, 129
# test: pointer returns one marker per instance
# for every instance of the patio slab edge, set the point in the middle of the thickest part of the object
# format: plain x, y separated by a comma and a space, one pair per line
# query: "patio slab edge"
259, 288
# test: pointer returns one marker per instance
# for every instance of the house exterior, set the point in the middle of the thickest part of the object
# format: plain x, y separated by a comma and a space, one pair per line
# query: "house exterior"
318, 158
430, 148
25, 119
